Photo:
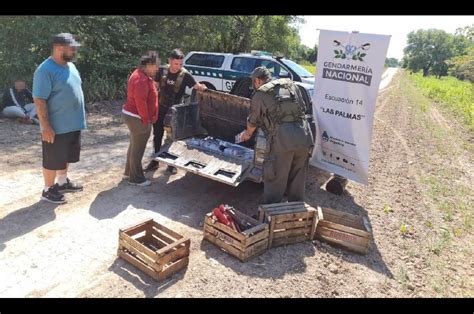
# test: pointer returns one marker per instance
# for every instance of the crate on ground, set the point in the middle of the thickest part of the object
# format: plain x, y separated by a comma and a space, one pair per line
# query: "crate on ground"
154, 249
349, 231
290, 222
243, 245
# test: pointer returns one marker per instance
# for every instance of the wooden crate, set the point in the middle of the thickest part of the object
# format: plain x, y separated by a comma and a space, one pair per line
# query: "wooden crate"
349, 231
290, 222
243, 245
154, 249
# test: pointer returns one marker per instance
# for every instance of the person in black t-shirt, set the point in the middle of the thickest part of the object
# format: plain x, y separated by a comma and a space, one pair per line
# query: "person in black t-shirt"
172, 81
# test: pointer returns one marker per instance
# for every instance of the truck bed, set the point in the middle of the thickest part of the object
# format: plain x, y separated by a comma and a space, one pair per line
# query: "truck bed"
203, 134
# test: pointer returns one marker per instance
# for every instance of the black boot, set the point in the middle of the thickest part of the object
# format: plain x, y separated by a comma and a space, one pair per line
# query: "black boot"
171, 170
152, 166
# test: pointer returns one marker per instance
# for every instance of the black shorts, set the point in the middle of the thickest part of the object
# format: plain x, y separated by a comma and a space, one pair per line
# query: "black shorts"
65, 149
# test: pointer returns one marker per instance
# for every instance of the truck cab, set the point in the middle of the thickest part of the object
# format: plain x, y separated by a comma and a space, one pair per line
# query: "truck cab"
219, 71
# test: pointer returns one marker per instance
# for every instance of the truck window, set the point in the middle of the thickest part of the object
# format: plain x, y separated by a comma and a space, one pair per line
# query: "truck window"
214, 61
275, 69
206, 60
243, 64
297, 68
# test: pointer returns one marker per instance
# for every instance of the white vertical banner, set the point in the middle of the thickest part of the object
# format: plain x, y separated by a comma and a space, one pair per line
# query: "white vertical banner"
349, 70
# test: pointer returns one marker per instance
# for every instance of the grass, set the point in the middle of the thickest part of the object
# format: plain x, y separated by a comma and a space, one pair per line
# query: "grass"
447, 208
387, 209
449, 221
450, 197
456, 95
99, 88
437, 188
403, 276
441, 242
308, 66
452, 200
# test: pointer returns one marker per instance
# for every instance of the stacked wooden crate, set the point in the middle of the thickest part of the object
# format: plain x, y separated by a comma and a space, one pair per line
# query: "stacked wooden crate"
290, 222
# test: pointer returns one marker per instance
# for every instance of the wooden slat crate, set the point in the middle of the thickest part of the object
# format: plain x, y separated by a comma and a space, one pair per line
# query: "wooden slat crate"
290, 222
154, 249
243, 245
344, 229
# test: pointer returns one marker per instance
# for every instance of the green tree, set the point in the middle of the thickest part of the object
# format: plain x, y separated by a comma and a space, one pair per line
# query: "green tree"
428, 50
25, 43
307, 54
391, 62
113, 44
462, 67
467, 32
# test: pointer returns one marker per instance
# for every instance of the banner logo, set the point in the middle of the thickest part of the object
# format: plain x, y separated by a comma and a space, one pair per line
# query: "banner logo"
350, 51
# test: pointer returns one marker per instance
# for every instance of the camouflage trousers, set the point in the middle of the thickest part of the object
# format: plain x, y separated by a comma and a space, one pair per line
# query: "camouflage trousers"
285, 173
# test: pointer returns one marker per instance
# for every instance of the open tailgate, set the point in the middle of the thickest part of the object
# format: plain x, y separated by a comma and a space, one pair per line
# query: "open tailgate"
212, 164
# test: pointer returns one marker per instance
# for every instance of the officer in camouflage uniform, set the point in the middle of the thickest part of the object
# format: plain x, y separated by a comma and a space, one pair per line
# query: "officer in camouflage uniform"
277, 108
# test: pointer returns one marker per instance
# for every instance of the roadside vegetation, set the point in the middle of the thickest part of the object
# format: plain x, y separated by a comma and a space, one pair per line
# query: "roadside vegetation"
450, 93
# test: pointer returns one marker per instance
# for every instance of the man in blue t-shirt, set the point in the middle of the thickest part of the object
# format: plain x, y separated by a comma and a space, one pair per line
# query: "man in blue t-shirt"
59, 101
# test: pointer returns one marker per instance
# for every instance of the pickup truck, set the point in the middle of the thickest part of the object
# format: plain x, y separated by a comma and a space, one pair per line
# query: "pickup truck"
202, 137
220, 71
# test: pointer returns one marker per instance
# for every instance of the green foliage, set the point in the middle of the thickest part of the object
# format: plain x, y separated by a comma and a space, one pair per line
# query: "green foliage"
112, 45
392, 62
403, 229
456, 94
442, 242
226, 33
307, 55
462, 67
387, 209
308, 66
429, 50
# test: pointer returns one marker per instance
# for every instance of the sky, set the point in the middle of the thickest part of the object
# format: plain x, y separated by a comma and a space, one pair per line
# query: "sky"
397, 26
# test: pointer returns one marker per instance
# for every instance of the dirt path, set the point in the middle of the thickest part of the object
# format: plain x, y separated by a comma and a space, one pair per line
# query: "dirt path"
421, 175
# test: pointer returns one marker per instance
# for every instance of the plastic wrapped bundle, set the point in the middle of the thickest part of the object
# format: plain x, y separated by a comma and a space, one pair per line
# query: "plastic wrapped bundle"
194, 142
211, 144
222, 147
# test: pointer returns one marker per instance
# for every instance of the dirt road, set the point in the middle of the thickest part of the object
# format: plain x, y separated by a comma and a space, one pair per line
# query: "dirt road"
421, 177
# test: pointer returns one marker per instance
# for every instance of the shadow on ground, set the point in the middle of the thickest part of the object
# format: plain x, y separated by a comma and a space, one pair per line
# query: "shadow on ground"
315, 196
142, 281
165, 197
274, 263
24, 220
